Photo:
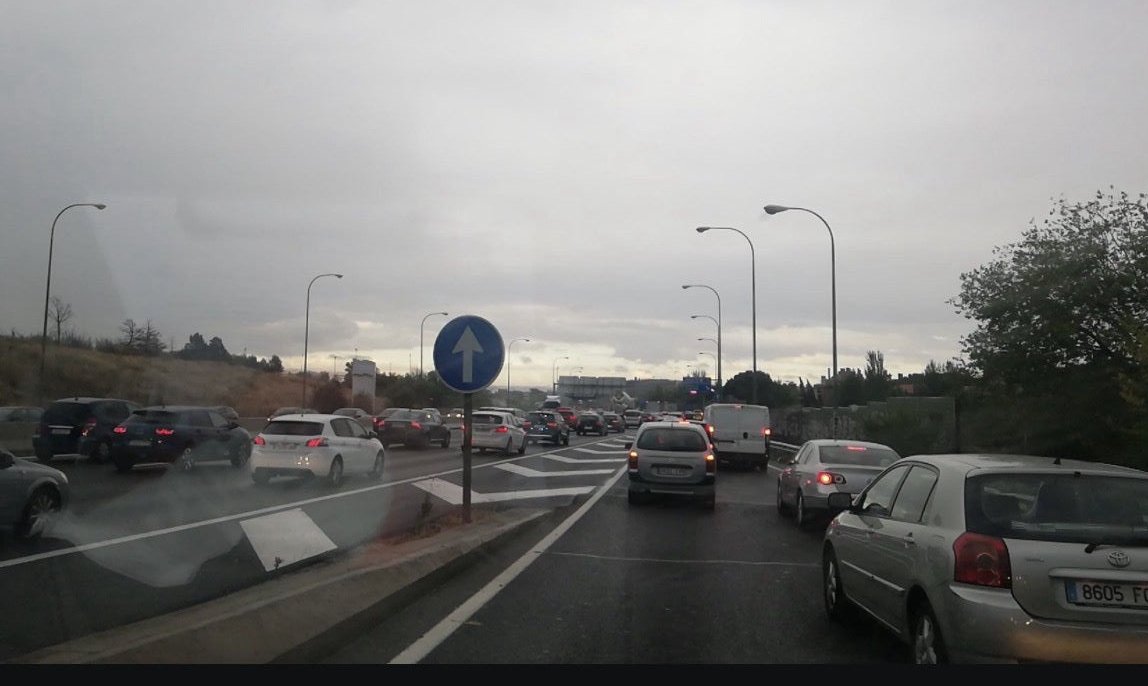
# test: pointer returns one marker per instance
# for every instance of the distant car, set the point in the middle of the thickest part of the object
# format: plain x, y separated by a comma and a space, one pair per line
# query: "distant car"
20, 413
1001, 558
453, 418
823, 466
182, 435
360, 415
591, 422
377, 420
227, 413
315, 445
547, 426
290, 410
671, 458
614, 422
414, 429
497, 430
32, 495
80, 425
632, 418
648, 417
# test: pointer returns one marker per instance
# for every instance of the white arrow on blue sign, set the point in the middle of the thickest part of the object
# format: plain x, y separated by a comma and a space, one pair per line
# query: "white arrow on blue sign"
468, 354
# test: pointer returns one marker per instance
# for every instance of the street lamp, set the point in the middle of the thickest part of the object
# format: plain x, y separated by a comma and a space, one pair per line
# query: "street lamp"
48, 288
307, 330
334, 361
421, 339
554, 374
718, 296
753, 296
508, 346
775, 209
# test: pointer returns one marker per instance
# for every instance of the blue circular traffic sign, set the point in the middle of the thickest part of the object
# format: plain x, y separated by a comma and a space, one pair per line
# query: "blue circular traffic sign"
468, 354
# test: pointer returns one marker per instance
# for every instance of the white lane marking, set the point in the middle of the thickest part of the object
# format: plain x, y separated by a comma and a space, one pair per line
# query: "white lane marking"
452, 493
527, 471
84, 547
442, 631
699, 562
284, 538
575, 460
600, 452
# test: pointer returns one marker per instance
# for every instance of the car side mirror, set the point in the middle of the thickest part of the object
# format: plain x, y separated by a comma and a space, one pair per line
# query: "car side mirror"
6, 460
233, 425
629, 444
839, 502
372, 434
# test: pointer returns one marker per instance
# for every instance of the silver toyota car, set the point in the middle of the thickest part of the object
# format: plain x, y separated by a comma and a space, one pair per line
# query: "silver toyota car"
974, 558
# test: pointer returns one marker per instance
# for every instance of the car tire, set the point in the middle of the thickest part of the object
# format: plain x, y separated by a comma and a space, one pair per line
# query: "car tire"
446, 440
782, 508
522, 448
376, 472
243, 456
100, 453
39, 514
927, 645
335, 473
837, 606
801, 516
566, 439
509, 449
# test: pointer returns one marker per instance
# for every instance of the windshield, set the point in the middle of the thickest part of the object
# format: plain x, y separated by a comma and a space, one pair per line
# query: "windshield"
370, 228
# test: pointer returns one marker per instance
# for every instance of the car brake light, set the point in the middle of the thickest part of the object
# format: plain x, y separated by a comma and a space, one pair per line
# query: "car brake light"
981, 560
633, 460
856, 448
501, 430
164, 432
709, 428
552, 425
120, 430
259, 440
711, 464
829, 478
766, 431
317, 442
416, 425
88, 426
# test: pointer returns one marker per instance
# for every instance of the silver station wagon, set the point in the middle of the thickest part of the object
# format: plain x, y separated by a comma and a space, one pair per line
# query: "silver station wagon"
976, 558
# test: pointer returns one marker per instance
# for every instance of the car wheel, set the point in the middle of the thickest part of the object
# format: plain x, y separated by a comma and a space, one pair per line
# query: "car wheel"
782, 508
186, 460
566, 439
244, 454
376, 472
335, 474
260, 477
801, 515
522, 448
39, 514
446, 440
509, 449
837, 606
101, 453
928, 646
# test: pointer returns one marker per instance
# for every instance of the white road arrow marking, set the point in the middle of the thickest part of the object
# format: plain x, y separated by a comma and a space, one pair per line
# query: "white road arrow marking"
283, 538
586, 460
468, 345
452, 493
527, 471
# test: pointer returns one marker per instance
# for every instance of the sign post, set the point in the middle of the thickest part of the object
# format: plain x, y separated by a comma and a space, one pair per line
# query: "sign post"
468, 356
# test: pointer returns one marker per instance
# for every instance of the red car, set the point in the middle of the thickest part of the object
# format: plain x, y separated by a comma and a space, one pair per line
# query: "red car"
570, 415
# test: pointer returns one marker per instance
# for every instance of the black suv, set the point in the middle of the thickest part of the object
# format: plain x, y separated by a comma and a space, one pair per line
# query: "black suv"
414, 429
80, 425
180, 435
548, 426
592, 422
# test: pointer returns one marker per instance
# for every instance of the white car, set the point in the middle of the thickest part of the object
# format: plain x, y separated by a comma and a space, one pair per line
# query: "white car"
495, 430
308, 445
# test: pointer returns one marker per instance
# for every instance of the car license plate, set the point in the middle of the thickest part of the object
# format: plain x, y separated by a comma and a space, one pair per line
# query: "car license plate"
63, 431
672, 471
139, 443
1105, 594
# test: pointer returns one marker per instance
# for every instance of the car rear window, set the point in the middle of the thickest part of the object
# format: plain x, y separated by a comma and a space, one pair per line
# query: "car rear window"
66, 413
156, 417
288, 428
857, 455
674, 440
540, 417
1059, 507
485, 419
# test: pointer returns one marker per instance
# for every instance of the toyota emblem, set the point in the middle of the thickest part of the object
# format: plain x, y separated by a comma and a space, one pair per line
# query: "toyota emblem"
1118, 558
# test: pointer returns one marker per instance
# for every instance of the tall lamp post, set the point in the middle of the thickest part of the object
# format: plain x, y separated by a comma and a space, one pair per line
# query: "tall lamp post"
307, 331
753, 295
554, 374
423, 324
718, 296
334, 361
775, 209
508, 346
48, 288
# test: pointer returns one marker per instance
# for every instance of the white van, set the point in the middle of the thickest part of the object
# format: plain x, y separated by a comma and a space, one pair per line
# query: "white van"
739, 433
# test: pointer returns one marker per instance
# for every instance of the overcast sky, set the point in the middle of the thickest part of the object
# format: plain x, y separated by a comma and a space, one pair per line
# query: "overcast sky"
544, 165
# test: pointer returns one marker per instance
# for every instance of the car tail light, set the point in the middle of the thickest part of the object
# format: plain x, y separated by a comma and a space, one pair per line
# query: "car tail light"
259, 440
552, 425
416, 425
164, 432
766, 431
317, 442
709, 429
711, 464
88, 426
380, 423
501, 430
633, 460
829, 478
120, 430
981, 560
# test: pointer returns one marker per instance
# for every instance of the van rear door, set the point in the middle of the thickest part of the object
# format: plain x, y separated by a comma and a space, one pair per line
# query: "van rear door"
740, 432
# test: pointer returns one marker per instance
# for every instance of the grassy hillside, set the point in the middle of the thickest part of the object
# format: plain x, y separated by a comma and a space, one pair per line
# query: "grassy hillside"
146, 380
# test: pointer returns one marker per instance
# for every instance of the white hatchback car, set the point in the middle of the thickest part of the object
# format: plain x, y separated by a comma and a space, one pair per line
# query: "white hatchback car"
308, 445
495, 430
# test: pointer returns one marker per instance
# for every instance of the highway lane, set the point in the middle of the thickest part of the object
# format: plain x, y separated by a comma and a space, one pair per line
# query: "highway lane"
612, 583
153, 540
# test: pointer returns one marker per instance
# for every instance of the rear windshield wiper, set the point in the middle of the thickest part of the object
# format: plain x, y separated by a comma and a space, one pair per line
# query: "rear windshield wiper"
1121, 542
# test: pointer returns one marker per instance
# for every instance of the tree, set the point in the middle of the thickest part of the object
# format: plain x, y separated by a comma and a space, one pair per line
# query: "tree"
195, 348
878, 381
217, 351
131, 333
60, 313
275, 365
150, 340
769, 392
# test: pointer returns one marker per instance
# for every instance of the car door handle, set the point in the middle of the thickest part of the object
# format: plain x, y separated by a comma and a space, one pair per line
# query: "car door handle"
909, 541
